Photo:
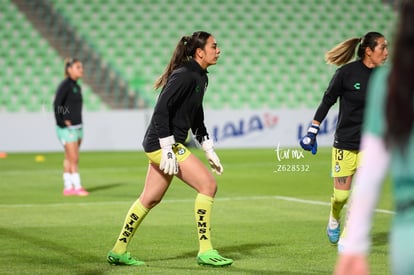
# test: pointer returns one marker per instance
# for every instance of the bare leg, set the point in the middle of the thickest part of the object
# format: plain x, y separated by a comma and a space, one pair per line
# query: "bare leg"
71, 170
71, 161
156, 184
343, 183
194, 173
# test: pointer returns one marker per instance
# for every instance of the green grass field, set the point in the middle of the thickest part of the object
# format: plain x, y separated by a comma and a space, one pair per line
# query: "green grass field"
268, 221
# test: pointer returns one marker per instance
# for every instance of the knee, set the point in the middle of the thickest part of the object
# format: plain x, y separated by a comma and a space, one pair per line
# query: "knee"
151, 203
341, 196
75, 160
209, 188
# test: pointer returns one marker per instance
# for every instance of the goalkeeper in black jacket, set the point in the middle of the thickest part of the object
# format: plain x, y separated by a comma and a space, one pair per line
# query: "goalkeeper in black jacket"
179, 109
349, 85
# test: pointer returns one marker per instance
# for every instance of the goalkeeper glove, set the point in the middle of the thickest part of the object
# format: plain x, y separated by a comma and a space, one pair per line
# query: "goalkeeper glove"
309, 142
168, 164
212, 157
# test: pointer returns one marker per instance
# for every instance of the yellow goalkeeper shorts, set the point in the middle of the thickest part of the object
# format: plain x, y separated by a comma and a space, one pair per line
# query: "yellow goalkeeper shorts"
181, 153
345, 162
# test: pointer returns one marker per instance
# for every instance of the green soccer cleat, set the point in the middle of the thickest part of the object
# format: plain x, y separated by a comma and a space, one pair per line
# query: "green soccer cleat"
213, 258
122, 259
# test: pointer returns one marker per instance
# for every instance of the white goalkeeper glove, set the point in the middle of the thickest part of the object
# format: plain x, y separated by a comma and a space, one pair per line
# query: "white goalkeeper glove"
212, 157
168, 164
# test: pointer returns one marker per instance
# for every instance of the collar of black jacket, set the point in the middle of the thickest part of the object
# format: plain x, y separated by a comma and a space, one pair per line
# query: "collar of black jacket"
194, 66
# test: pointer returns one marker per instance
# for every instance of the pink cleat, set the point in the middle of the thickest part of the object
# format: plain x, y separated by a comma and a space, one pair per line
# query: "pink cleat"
69, 192
80, 192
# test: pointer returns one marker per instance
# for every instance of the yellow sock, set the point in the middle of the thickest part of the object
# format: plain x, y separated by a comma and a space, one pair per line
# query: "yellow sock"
338, 200
202, 209
133, 219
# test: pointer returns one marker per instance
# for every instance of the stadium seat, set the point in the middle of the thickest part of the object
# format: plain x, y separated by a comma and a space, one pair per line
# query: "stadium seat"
271, 53
33, 68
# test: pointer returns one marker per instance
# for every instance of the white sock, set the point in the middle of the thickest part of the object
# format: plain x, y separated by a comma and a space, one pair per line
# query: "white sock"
67, 181
333, 223
76, 180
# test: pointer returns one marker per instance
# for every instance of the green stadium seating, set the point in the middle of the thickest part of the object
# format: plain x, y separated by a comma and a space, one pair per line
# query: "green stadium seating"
272, 51
33, 69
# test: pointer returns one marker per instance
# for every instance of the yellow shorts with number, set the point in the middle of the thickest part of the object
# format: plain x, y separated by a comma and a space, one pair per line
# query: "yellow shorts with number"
345, 162
181, 153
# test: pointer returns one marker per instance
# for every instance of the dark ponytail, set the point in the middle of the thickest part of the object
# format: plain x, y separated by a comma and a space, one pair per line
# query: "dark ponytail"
184, 51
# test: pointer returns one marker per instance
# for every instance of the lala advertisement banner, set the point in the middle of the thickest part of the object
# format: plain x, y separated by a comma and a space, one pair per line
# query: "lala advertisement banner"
125, 129
266, 128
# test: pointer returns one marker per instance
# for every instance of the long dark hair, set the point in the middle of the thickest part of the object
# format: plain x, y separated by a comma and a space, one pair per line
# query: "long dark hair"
345, 51
399, 104
184, 51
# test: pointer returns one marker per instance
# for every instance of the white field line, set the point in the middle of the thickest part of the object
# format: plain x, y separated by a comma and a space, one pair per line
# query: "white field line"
290, 199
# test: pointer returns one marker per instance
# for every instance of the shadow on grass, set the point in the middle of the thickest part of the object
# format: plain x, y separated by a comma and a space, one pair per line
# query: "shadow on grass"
73, 261
380, 239
226, 251
105, 187
50, 253
236, 252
